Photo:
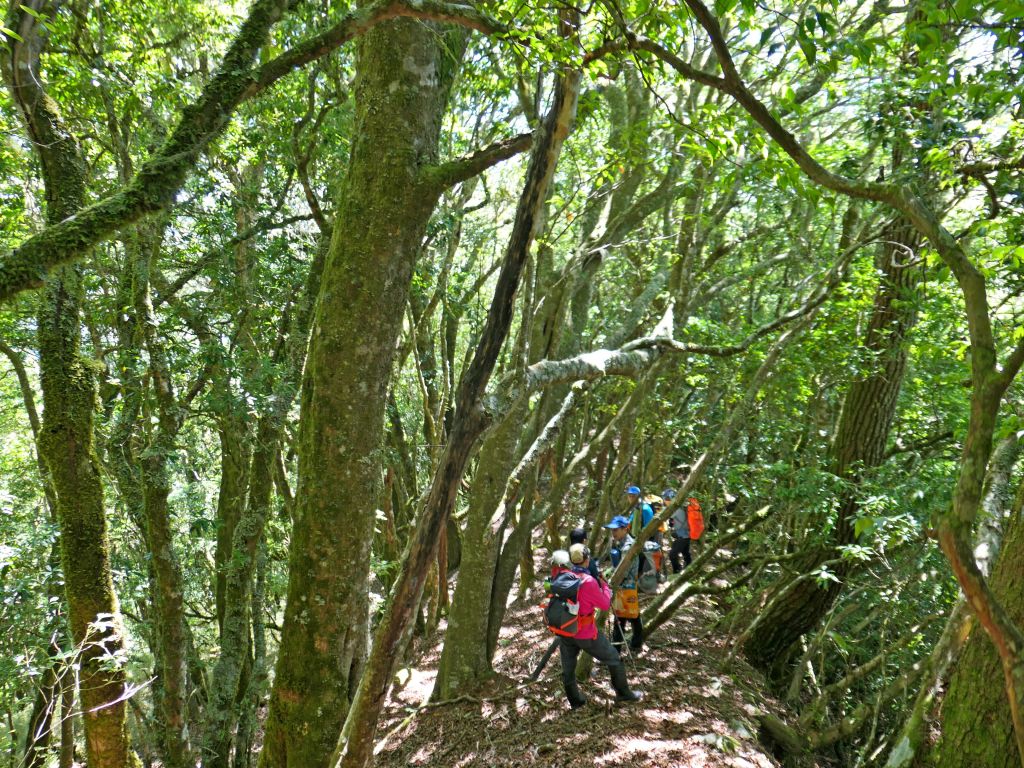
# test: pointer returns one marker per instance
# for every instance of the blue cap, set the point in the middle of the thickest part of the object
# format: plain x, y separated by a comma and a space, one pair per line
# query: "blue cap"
633, 489
668, 493
617, 522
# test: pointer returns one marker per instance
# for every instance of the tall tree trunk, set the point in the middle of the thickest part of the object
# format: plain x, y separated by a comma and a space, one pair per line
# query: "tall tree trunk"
977, 727
227, 684
404, 72
468, 648
235, 457
69, 399
464, 660
1001, 510
67, 723
168, 600
355, 748
40, 722
859, 446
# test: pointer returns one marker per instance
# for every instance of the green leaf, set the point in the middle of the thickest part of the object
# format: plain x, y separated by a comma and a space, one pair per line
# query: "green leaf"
722, 7
808, 48
11, 33
862, 525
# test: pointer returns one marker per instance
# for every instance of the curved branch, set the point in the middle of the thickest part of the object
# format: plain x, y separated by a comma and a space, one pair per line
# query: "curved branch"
441, 177
160, 178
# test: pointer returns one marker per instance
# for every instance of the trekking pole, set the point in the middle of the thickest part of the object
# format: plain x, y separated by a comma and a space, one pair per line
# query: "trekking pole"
544, 660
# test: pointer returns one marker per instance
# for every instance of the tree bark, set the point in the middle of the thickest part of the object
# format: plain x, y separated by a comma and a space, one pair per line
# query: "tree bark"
464, 659
243, 556
40, 722
404, 68
67, 723
977, 727
355, 749
859, 446
66, 435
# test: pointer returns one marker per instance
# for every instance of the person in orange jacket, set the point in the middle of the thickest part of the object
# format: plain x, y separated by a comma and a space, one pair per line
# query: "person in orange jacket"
687, 524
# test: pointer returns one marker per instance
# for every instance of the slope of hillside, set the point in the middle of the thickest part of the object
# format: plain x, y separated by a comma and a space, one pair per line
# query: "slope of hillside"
694, 713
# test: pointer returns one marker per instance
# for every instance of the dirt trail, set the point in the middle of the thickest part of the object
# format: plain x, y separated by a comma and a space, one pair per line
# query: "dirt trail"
693, 714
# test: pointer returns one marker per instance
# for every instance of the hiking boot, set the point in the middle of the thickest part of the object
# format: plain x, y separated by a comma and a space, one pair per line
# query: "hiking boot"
572, 693
621, 685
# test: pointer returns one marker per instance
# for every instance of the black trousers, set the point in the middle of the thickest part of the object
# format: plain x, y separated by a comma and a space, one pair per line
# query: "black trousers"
569, 650
636, 641
680, 546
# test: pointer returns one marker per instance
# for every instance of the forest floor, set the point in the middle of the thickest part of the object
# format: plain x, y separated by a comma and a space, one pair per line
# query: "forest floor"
693, 715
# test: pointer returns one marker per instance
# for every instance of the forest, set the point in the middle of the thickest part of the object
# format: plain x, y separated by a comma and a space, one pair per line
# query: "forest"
322, 327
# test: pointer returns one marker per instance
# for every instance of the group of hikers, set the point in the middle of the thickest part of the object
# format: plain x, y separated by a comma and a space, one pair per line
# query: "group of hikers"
577, 588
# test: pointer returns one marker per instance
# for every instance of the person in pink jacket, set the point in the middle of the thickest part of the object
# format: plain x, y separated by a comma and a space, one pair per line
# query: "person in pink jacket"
592, 595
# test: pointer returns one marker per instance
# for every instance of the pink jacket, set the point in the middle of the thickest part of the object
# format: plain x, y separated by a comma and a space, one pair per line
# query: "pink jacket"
591, 596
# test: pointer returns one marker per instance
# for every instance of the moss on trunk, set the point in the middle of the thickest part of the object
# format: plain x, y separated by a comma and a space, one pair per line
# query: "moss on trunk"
465, 662
66, 435
67, 447
977, 730
235, 452
404, 71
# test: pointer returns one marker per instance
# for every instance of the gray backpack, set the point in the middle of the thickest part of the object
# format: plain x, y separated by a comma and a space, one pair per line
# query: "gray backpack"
648, 579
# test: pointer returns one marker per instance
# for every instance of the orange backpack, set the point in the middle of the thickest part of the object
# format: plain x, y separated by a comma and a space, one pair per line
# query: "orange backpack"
694, 518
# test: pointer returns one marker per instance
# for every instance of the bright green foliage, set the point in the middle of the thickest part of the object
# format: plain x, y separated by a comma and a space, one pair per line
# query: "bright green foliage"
668, 198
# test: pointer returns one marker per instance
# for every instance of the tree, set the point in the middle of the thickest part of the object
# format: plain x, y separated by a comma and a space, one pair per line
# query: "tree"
386, 201
66, 434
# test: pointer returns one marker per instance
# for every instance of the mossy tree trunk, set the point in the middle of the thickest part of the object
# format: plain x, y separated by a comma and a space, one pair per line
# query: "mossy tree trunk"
355, 748
69, 398
977, 727
404, 72
155, 458
140, 453
867, 415
235, 456
239, 603
464, 659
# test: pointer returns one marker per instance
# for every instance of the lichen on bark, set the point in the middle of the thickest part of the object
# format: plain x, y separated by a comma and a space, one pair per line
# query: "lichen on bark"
404, 72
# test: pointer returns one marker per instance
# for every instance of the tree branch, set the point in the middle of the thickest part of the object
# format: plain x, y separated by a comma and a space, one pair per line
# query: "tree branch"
361, 20
355, 747
971, 281
919, 445
27, 394
161, 177
441, 177
980, 168
639, 355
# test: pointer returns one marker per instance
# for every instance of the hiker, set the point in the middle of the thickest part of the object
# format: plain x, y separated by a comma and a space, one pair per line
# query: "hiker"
668, 499
636, 524
592, 594
627, 604
635, 503
680, 524
579, 536
687, 526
